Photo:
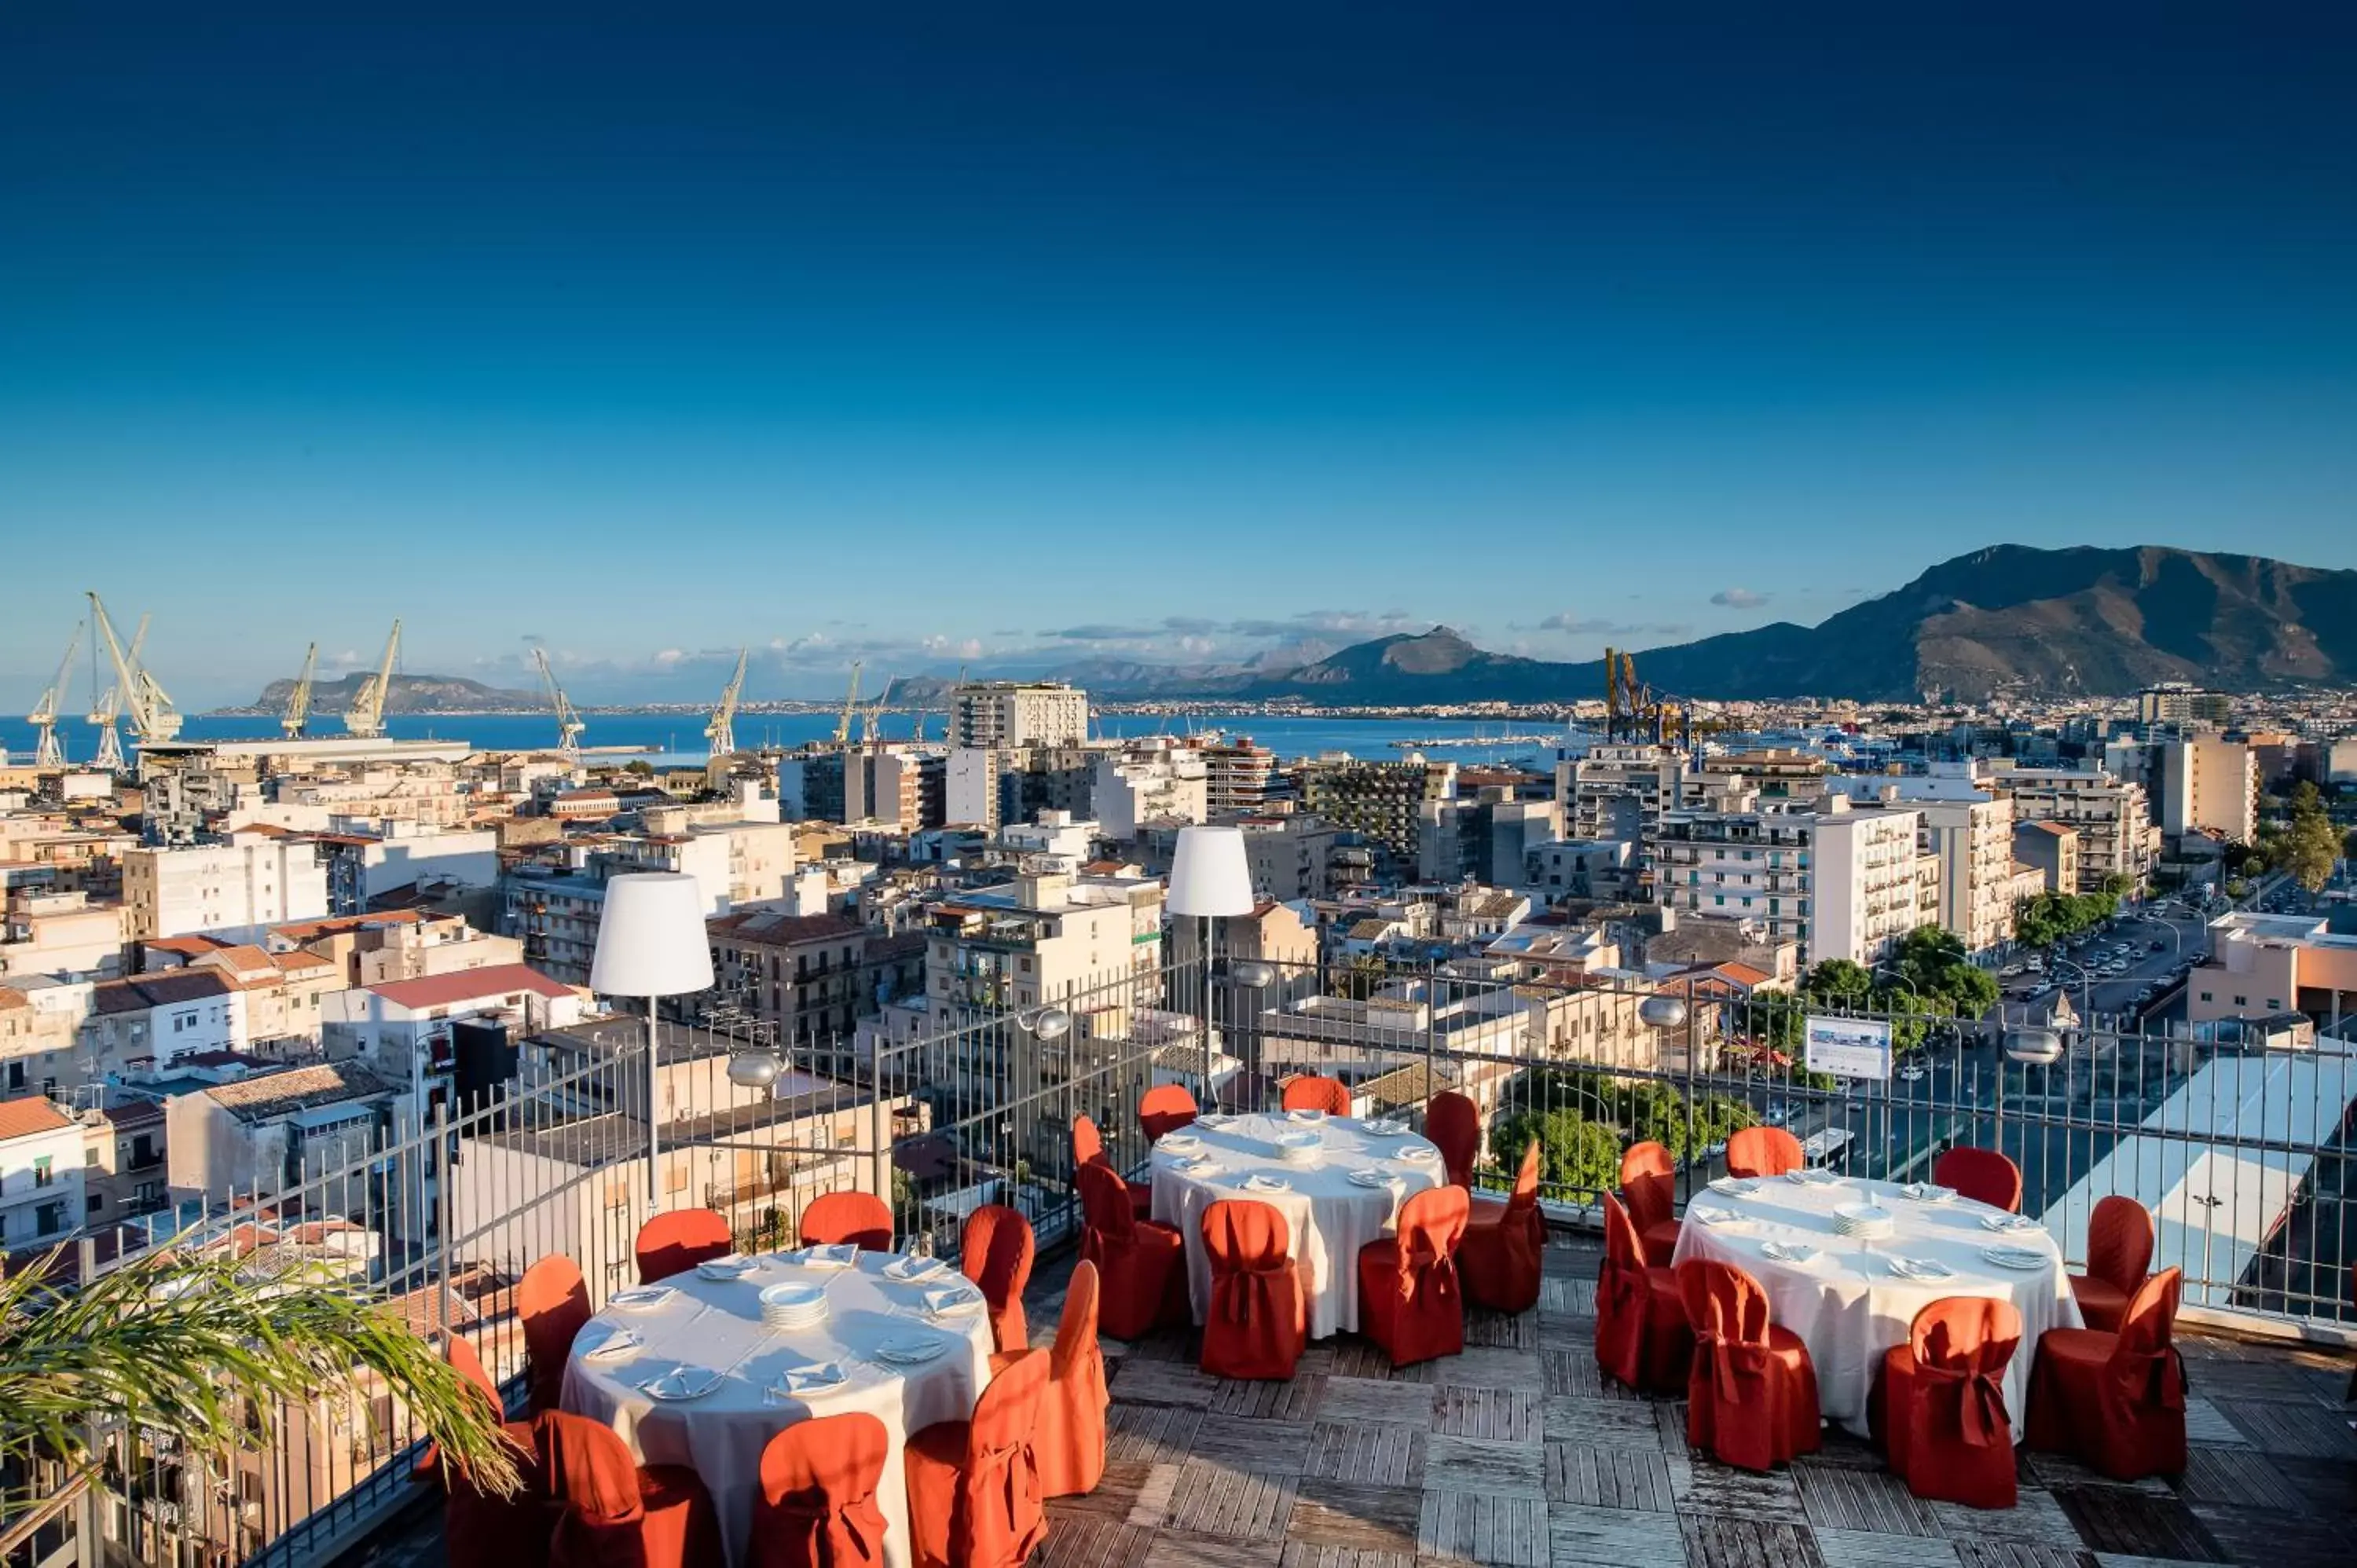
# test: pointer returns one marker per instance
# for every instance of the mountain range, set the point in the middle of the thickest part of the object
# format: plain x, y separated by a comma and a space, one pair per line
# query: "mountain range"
409, 694
2078, 621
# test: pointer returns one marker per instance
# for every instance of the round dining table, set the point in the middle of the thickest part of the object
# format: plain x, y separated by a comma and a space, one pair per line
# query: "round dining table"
766, 1380
1330, 1216
1849, 1299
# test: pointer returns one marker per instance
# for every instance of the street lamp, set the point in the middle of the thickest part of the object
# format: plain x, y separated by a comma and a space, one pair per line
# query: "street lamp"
1211, 878
651, 943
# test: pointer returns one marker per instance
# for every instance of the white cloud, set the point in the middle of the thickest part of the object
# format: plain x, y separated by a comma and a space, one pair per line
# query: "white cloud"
1739, 598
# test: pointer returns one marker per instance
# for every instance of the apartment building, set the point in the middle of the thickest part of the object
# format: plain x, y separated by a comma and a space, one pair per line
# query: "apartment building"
41, 1030
1013, 714
1842, 881
41, 1161
1148, 783
1041, 938
1617, 791
802, 975
122, 1160
260, 877
261, 1135
1292, 855
2176, 705
1238, 778
1488, 837
1604, 870
556, 904
1381, 801
2050, 849
1967, 829
2209, 784
148, 1022
988, 787
423, 794
901, 786
2116, 834
47, 933
400, 1030
366, 861
2260, 965
395, 944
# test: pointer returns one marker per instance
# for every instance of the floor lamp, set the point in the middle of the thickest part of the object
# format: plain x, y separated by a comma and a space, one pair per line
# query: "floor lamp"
651, 943
1211, 878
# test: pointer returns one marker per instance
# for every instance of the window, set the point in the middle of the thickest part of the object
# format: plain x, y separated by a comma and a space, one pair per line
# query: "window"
42, 1174
90, 1156
2242, 1002
93, 1203
2205, 996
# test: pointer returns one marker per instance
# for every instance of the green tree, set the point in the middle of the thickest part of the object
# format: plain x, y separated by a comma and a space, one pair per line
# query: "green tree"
1575, 1152
1838, 982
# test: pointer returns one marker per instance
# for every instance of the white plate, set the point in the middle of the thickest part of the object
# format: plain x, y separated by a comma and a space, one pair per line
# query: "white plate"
1926, 1192
1421, 1153
2002, 1223
682, 1384
1256, 1182
1180, 1143
2014, 1258
1787, 1252
1735, 1186
1386, 1129
640, 1298
793, 1296
1371, 1179
910, 1352
1930, 1271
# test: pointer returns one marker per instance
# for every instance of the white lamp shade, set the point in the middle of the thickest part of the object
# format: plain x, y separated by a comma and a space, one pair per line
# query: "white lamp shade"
650, 940
1210, 875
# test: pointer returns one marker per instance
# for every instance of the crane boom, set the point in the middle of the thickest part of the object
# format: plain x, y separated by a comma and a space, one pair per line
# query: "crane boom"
153, 716
721, 732
298, 704
850, 706
49, 752
365, 717
103, 715
568, 723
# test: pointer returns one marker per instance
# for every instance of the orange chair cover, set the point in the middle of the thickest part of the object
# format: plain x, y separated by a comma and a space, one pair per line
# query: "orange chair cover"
1165, 1108
995, 1251
2116, 1401
973, 1486
1642, 1341
1140, 1267
553, 1303
1943, 1422
2119, 1251
1763, 1151
460, 1351
1410, 1300
1984, 1175
481, 1531
1088, 1149
1752, 1394
817, 1505
675, 1243
1649, 1188
861, 1218
1453, 1123
1070, 1440
1500, 1256
1312, 1093
617, 1514
1258, 1320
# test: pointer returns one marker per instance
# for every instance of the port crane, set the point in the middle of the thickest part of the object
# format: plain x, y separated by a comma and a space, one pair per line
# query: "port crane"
1634, 711
102, 714
720, 731
153, 716
568, 721
49, 752
850, 706
298, 716
365, 717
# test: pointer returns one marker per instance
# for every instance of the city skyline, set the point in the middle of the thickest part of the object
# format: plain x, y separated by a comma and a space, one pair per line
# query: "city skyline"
1019, 339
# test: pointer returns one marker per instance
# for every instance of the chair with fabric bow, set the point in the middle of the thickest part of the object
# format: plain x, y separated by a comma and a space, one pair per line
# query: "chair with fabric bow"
1940, 1407
553, 1300
2115, 1400
675, 1243
1642, 1338
618, 1513
1502, 1255
1649, 1190
996, 1251
1141, 1265
816, 1508
1410, 1300
973, 1486
1070, 1441
1453, 1123
1311, 1091
1165, 1108
1258, 1320
479, 1529
1984, 1175
861, 1218
1752, 1391
2119, 1251
1763, 1151
1088, 1149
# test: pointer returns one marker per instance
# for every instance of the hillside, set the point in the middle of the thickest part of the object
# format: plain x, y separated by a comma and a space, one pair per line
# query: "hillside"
410, 694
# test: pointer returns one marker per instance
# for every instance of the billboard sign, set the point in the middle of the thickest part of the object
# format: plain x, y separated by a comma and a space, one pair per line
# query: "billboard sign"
1848, 1048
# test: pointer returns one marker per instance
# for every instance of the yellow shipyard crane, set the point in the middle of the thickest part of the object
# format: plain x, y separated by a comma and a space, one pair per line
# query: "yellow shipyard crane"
48, 752
365, 717
298, 716
153, 715
721, 730
568, 721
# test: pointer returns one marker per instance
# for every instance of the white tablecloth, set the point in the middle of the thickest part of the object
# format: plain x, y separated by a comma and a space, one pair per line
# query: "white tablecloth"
1848, 1307
718, 1324
1331, 1219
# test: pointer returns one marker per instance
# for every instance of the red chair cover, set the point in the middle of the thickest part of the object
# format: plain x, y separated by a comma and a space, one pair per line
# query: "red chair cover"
1142, 1265
1984, 1175
1311, 1092
1943, 1420
2116, 1401
995, 1251
553, 1303
1500, 1256
481, 1531
1763, 1151
973, 1486
1258, 1320
861, 1218
817, 1504
1088, 1149
1752, 1394
1453, 1123
1165, 1108
1649, 1188
1410, 1300
618, 1514
460, 1351
2119, 1251
1642, 1341
675, 1243
1070, 1440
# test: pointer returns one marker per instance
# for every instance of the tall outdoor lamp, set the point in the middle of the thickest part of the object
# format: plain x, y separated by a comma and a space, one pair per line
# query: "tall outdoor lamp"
651, 943
1210, 877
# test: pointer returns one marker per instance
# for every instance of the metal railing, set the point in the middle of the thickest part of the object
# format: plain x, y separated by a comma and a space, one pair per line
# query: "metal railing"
2240, 1148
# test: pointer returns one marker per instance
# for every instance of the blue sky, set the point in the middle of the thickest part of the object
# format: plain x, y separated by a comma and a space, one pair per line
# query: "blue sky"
1032, 337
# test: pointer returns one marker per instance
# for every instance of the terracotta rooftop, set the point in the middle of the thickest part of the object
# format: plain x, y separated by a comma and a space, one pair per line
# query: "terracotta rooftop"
31, 1115
142, 991
772, 928
297, 1089
469, 986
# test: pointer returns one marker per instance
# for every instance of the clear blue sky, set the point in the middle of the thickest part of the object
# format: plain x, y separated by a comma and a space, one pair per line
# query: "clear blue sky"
1027, 337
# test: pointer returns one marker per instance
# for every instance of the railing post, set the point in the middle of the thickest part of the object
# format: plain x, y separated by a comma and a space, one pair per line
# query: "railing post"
442, 1205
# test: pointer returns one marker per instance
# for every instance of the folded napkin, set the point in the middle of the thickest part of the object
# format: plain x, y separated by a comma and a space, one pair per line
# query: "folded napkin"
1922, 1269
907, 1269
1256, 1182
811, 1378
1386, 1128
617, 1346
1372, 1178
837, 1255
1213, 1119
1735, 1186
1713, 1216
682, 1382
1422, 1154
953, 1298
2014, 1257
2002, 1222
1201, 1164
1927, 1192
1787, 1252
641, 1296
908, 1352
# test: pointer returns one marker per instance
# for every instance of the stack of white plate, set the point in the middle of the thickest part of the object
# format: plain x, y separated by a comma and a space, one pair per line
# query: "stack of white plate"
793, 1304
1299, 1148
1863, 1222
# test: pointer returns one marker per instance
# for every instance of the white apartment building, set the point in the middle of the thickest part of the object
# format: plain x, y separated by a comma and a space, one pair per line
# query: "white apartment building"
1154, 784
1968, 828
1840, 880
40, 1024
2116, 834
260, 877
2209, 784
972, 792
1010, 714
59, 933
40, 1174
367, 859
1238, 776
1041, 938
1616, 791
1057, 838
